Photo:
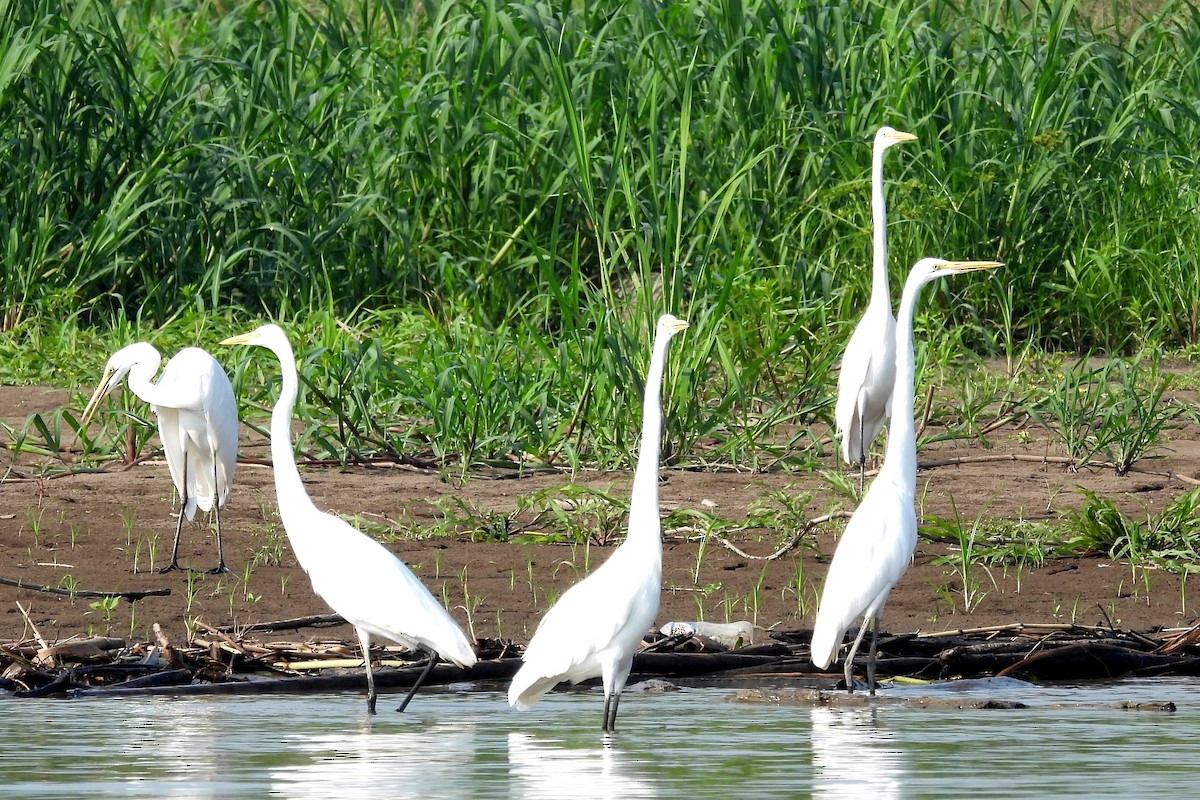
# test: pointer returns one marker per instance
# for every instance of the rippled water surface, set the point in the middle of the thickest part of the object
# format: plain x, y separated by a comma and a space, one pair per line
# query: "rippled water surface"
1072, 742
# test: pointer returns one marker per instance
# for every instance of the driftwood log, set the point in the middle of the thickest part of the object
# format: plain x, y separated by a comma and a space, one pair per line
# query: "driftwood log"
215, 662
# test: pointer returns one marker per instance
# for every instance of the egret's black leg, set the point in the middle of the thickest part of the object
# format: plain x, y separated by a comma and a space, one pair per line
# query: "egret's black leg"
220, 567
433, 659
850, 656
871, 656
370, 685
862, 454
183, 500
611, 721
604, 721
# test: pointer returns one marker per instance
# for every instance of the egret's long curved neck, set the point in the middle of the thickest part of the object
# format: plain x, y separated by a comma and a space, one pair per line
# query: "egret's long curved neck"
880, 291
643, 506
902, 441
140, 379
289, 489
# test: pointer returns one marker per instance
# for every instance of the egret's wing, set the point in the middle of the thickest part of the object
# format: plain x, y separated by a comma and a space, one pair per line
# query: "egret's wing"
169, 433
852, 377
871, 556
342, 562
865, 383
221, 423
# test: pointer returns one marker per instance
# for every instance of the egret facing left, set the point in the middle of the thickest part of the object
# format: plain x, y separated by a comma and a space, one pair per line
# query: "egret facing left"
197, 422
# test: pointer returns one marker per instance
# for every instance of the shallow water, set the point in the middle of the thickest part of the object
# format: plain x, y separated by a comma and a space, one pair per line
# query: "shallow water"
688, 743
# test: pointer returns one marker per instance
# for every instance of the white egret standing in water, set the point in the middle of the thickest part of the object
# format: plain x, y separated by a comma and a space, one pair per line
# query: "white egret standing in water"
597, 624
878, 543
356, 575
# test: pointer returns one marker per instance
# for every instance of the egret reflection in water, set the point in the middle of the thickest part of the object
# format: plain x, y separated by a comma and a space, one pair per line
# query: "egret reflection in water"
545, 768
854, 756
364, 757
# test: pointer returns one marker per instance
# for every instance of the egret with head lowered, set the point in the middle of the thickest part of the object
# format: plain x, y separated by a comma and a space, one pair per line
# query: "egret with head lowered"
197, 422
357, 576
868, 369
877, 546
597, 625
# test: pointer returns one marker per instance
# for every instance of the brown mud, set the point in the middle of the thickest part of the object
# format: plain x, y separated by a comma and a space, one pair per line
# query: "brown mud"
89, 530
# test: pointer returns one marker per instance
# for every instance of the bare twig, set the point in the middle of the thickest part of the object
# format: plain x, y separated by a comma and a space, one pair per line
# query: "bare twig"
790, 544
128, 595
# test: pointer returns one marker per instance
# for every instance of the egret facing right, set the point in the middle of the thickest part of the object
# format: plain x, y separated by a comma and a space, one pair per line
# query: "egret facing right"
597, 624
868, 369
877, 546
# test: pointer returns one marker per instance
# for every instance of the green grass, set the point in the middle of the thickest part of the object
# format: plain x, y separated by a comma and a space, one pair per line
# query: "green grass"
468, 214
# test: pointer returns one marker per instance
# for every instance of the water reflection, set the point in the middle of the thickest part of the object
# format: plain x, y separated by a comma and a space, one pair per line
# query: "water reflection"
854, 756
364, 757
551, 769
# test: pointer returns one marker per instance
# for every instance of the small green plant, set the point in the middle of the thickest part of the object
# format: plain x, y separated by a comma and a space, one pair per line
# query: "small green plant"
129, 519
71, 584
1106, 410
106, 606
193, 588
965, 562
34, 515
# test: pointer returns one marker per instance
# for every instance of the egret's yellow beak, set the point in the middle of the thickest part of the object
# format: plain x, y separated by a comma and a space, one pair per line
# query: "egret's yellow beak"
901, 136
241, 338
678, 325
106, 386
973, 266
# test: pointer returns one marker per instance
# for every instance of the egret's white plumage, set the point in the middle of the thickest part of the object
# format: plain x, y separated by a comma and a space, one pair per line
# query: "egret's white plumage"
878, 543
868, 369
357, 576
597, 624
197, 422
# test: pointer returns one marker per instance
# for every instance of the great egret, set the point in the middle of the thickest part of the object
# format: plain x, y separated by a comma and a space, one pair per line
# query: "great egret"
597, 624
878, 543
356, 575
868, 369
197, 422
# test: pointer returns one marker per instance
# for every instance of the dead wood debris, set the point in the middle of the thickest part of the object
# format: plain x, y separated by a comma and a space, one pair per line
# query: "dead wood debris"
221, 661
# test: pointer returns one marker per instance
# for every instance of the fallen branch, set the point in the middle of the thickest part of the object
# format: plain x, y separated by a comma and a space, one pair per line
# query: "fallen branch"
790, 544
318, 620
128, 595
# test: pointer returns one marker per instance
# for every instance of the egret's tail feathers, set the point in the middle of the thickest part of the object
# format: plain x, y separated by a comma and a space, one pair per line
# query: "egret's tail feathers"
527, 688
460, 653
826, 640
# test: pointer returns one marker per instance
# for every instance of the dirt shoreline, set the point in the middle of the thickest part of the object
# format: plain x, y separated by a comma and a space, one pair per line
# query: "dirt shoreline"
90, 529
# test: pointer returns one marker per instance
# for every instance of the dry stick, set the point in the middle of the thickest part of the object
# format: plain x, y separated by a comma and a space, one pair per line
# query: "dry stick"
1190, 636
925, 414
36, 632
242, 647
999, 422
1064, 460
286, 624
790, 543
579, 407
1011, 626
129, 595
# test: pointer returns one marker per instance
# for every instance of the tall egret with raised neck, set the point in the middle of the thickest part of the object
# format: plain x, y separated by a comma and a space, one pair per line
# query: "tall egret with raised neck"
357, 576
879, 540
868, 369
197, 422
598, 624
